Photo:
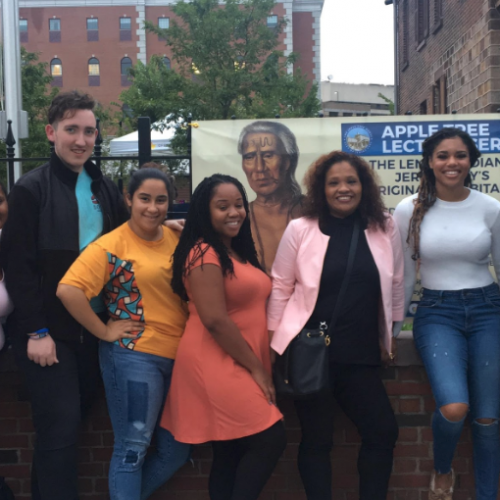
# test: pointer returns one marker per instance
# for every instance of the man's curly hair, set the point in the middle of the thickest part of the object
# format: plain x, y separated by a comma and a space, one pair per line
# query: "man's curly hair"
371, 208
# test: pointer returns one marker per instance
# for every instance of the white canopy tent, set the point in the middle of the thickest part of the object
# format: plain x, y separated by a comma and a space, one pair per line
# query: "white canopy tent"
129, 144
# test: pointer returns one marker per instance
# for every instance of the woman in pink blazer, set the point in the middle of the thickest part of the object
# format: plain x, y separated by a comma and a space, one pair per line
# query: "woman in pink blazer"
307, 275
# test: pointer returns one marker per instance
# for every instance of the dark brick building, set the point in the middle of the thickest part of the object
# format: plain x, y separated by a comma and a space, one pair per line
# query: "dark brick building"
90, 44
448, 56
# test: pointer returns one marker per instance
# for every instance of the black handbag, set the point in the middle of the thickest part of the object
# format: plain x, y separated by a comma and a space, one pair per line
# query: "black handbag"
303, 369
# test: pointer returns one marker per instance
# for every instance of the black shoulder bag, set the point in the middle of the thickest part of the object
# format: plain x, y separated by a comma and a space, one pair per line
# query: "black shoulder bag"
303, 369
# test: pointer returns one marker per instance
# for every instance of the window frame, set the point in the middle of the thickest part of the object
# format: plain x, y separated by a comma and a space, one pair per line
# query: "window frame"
57, 79
422, 23
273, 25
55, 19
125, 80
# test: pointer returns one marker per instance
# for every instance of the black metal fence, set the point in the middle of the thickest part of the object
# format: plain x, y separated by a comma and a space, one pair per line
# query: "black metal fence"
143, 156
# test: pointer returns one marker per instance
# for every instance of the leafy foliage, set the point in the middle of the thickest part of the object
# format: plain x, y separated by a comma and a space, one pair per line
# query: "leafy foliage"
225, 63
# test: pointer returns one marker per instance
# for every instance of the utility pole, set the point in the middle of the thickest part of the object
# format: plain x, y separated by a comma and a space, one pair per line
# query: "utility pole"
12, 76
395, 6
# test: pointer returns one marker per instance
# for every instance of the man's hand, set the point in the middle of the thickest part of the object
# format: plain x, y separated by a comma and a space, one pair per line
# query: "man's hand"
42, 351
176, 225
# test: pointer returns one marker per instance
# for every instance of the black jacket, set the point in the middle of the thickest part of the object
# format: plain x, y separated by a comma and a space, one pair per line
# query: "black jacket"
40, 241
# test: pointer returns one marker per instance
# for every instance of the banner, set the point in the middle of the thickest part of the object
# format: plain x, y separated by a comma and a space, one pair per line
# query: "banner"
264, 154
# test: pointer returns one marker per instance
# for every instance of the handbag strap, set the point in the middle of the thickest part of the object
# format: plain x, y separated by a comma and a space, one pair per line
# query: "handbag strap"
347, 275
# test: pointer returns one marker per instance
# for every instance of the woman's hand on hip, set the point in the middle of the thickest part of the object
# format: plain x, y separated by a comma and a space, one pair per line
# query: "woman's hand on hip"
122, 329
265, 382
388, 358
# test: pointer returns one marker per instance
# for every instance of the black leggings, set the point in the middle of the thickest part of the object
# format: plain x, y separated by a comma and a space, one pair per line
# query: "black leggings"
241, 467
359, 391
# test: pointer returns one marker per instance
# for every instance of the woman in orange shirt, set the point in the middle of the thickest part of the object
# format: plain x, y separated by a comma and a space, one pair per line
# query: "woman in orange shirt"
222, 389
133, 264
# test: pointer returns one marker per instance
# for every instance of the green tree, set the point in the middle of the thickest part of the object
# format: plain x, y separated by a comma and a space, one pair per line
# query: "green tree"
389, 101
225, 63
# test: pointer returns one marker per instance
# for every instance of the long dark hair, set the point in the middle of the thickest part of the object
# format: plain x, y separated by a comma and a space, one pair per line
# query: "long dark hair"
371, 208
199, 230
427, 194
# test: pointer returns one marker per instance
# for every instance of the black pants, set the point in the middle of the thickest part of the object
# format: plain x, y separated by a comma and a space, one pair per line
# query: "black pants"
359, 391
241, 467
60, 394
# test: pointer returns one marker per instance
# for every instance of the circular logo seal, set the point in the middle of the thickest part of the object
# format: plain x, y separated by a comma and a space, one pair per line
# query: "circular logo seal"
358, 139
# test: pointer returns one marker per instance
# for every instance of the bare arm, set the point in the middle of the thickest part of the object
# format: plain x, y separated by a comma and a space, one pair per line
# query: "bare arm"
207, 285
78, 306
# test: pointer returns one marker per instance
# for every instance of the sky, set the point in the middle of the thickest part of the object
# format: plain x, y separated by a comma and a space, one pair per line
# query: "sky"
357, 41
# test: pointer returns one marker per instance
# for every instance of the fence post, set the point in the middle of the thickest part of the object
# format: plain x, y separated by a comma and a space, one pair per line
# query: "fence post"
190, 150
144, 131
10, 142
98, 144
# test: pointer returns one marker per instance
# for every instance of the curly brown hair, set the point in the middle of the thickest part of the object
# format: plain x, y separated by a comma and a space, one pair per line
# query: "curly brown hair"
371, 208
427, 193
71, 102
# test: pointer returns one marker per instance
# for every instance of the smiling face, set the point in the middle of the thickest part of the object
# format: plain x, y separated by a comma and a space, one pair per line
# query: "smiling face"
450, 162
74, 137
343, 189
264, 163
148, 209
227, 212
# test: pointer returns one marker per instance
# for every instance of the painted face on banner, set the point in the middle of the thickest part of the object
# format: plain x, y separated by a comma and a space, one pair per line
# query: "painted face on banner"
264, 162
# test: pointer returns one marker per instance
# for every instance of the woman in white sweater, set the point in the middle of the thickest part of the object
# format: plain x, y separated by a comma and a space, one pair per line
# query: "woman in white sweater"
449, 231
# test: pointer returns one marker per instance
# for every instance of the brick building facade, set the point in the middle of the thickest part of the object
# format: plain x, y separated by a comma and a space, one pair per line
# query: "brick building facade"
89, 45
448, 56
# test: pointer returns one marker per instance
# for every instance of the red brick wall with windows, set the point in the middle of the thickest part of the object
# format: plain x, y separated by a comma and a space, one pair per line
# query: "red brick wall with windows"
407, 387
303, 32
74, 50
461, 49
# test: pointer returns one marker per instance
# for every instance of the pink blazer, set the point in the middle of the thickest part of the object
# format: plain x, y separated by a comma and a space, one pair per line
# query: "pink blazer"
297, 271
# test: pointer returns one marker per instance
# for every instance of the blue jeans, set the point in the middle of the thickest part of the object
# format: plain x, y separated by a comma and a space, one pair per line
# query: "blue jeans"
136, 386
458, 336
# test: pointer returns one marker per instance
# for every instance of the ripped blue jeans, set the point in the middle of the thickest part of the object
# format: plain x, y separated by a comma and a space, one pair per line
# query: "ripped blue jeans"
136, 386
458, 336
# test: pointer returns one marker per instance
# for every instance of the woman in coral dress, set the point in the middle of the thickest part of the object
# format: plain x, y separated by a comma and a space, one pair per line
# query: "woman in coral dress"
222, 389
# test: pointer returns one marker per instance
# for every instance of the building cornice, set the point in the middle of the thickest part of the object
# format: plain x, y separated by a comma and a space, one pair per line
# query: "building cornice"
308, 6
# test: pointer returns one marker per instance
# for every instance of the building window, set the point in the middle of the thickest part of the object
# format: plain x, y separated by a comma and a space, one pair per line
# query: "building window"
166, 62
54, 30
406, 33
440, 97
422, 21
94, 72
423, 107
125, 29
163, 24
56, 72
437, 21
125, 66
23, 30
272, 22
93, 29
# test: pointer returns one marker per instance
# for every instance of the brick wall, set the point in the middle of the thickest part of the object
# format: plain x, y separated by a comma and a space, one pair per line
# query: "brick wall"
406, 385
464, 51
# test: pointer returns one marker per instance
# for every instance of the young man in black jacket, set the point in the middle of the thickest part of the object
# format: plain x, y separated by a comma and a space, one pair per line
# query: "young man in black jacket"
55, 211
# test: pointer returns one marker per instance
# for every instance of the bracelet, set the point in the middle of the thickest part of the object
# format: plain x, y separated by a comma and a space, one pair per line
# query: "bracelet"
39, 334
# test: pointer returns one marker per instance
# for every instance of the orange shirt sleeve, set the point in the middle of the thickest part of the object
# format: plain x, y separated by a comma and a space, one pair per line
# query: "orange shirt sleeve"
204, 254
89, 272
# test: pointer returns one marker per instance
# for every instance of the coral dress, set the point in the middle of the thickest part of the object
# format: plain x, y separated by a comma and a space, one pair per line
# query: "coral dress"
212, 397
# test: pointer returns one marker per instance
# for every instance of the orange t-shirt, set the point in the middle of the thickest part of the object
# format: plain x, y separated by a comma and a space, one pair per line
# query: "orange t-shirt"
134, 275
